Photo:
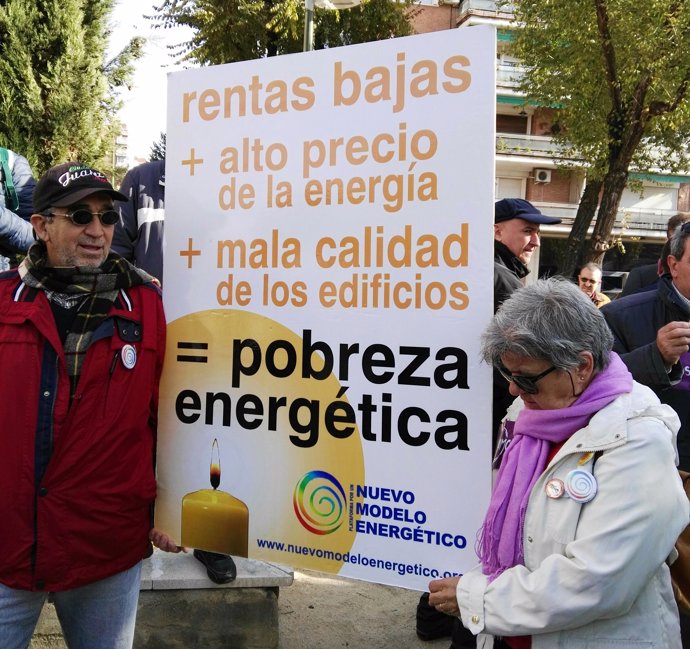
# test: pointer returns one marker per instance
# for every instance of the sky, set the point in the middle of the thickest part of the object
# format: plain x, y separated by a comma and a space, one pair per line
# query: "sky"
144, 110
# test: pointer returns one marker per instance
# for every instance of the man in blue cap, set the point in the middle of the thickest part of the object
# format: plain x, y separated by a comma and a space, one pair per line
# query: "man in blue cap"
516, 237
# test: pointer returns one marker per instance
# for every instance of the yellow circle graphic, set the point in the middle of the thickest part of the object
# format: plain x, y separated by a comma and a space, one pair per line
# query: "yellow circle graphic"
241, 378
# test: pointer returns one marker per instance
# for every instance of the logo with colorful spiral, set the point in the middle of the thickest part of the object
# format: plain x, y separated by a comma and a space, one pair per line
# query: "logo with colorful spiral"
319, 502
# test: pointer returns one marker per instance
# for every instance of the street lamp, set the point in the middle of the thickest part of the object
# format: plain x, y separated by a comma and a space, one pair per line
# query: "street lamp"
309, 16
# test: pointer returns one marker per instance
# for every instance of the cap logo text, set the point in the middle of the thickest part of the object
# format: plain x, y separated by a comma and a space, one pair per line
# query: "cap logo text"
69, 176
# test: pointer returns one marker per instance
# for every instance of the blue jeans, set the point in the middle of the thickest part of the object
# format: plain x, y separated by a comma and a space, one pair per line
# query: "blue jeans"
100, 615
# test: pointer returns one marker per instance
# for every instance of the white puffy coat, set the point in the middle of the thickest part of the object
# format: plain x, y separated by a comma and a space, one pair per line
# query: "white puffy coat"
595, 574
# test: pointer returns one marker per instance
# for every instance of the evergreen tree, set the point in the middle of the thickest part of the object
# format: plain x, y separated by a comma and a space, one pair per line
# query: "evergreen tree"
57, 93
239, 30
158, 149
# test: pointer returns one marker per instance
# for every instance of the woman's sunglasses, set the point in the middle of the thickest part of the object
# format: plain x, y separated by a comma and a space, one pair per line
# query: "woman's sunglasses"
527, 384
82, 216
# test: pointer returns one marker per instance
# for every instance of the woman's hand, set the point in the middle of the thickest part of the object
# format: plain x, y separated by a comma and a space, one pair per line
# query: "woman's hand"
164, 542
443, 597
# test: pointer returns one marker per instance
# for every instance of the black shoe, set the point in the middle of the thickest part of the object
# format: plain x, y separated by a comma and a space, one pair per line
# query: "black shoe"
431, 624
220, 568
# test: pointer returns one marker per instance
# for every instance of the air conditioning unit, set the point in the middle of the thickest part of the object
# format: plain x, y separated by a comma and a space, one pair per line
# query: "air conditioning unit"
542, 175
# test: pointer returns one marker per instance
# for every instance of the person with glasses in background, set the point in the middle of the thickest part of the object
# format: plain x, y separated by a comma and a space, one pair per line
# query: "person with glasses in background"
651, 332
82, 339
587, 504
589, 281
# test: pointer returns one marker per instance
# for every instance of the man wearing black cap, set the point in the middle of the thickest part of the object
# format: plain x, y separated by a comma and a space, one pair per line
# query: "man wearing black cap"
82, 338
516, 237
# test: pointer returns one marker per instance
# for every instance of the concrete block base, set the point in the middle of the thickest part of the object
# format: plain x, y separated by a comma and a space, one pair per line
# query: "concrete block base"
241, 618
181, 608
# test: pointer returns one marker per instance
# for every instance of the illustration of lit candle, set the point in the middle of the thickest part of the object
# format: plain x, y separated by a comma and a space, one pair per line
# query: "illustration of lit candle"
215, 520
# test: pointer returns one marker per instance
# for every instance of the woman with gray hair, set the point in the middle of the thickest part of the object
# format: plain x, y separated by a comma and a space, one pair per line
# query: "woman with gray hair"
587, 503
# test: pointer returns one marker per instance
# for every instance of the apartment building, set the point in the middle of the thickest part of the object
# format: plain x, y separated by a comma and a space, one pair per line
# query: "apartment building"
527, 159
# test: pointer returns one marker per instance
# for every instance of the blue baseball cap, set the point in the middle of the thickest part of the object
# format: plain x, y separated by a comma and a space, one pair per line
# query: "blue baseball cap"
519, 208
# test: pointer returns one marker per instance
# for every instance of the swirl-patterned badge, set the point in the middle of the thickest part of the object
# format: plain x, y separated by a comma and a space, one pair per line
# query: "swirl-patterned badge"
319, 502
128, 355
581, 485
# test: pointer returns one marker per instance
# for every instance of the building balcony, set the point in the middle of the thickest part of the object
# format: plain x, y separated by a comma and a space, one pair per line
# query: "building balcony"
646, 226
485, 8
533, 146
509, 76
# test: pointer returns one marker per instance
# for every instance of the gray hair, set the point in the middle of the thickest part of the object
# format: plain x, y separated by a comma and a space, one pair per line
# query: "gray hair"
590, 265
552, 320
677, 242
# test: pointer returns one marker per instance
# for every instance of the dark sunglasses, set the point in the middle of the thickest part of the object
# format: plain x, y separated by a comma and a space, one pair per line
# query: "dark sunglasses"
82, 216
527, 384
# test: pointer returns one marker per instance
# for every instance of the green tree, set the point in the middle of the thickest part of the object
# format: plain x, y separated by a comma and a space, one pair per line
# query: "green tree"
618, 71
58, 93
158, 149
239, 30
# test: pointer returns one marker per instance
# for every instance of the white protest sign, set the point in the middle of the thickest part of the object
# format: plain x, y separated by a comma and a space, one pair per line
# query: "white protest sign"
328, 275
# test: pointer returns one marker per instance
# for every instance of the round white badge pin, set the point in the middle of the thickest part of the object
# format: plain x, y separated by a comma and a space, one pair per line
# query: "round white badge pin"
581, 485
554, 488
128, 355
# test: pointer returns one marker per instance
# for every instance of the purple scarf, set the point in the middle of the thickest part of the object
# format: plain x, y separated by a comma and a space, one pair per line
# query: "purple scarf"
499, 543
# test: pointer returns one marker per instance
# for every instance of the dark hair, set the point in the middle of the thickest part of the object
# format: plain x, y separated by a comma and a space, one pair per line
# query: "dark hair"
677, 219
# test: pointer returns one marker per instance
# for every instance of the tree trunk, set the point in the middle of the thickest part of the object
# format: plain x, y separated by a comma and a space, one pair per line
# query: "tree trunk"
621, 151
271, 37
576, 239
614, 184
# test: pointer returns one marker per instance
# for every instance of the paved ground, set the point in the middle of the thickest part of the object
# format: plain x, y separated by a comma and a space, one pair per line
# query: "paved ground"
325, 612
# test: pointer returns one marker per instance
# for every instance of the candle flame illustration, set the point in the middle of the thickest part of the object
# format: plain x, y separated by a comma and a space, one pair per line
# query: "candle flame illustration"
215, 465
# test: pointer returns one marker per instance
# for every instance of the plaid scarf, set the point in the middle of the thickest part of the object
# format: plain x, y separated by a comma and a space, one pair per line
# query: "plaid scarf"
97, 288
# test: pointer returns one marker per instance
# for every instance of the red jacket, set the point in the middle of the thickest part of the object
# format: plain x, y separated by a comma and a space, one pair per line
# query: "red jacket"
76, 484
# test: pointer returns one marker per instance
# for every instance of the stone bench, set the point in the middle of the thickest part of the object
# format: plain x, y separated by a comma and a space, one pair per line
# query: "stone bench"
181, 608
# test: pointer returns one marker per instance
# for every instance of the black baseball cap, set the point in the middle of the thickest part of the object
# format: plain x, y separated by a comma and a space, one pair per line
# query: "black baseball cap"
519, 208
67, 183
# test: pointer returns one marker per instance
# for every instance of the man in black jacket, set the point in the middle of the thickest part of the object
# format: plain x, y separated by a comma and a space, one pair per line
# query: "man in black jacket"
516, 237
652, 335
139, 234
